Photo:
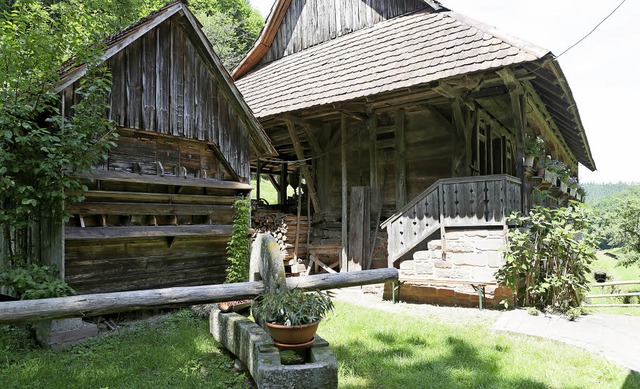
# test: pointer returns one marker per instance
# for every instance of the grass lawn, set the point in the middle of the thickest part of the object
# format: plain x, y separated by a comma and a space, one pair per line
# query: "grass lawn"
379, 350
617, 273
374, 350
179, 352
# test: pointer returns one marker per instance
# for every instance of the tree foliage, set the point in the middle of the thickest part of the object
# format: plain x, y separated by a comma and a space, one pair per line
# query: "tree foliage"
620, 224
548, 257
38, 144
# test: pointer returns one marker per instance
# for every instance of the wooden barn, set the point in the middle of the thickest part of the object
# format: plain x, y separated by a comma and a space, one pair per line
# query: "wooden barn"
159, 212
408, 122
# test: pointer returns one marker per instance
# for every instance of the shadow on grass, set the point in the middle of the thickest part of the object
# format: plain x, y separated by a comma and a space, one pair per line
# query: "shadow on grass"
392, 363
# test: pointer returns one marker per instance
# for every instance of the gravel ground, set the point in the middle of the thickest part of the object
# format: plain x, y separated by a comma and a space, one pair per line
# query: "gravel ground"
371, 297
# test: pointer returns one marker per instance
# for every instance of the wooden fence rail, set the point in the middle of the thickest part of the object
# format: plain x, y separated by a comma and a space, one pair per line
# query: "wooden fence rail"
104, 303
588, 298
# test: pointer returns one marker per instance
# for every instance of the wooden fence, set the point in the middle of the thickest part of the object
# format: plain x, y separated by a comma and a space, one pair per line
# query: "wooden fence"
612, 295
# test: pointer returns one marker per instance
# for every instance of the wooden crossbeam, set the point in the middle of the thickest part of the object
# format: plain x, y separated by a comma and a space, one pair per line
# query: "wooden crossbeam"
303, 165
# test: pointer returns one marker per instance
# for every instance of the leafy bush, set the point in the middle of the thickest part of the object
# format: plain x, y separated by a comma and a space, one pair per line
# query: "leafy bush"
34, 281
238, 246
548, 258
292, 307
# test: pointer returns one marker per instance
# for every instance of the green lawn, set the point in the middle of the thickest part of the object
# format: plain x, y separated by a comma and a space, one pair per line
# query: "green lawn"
374, 349
382, 350
617, 273
176, 353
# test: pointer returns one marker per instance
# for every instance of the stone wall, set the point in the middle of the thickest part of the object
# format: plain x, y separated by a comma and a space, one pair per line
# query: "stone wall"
463, 254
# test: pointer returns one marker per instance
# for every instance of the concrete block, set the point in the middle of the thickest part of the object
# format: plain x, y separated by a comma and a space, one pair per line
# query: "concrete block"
490, 244
460, 273
424, 267
435, 244
453, 235
495, 259
64, 333
408, 265
422, 255
483, 274
443, 263
461, 246
468, 259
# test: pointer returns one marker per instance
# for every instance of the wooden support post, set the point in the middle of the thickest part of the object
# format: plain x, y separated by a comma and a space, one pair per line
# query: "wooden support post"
373, 162
401, 160
345, 199
258, 170
516, 93
282, 198
303, 165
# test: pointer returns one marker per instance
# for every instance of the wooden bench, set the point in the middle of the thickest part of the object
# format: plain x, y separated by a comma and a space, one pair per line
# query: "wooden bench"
477, 285
587, 303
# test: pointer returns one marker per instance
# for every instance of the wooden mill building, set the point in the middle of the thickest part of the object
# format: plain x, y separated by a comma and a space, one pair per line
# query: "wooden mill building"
408, 121
158, 212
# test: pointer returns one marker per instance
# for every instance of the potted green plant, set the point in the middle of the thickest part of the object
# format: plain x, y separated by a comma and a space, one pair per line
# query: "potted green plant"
292, 315
532, 150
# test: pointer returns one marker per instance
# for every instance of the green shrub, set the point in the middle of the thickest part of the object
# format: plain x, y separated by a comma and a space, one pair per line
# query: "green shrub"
34, 281
548, 257
238, 246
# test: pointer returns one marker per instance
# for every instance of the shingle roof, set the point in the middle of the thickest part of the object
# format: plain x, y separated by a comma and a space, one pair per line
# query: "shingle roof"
397, 53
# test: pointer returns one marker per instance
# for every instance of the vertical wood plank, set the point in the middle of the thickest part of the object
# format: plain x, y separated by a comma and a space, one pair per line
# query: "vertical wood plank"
189, 90
373, 162
149, 81
401, 158
163, 87
177, 81
359, 228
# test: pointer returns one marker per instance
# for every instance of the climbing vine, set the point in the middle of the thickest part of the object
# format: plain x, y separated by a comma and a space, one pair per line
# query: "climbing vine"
238, 246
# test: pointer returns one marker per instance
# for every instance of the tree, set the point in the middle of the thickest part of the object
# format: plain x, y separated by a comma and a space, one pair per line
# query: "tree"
39, 145
231, 25
620, 214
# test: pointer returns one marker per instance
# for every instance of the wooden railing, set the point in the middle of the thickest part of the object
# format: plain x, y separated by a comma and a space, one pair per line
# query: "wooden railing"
452, 202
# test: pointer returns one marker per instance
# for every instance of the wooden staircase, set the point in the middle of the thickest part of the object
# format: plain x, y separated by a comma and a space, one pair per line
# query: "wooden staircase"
452, 202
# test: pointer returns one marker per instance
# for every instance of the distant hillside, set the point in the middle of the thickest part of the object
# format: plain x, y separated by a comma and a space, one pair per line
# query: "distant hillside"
596, 191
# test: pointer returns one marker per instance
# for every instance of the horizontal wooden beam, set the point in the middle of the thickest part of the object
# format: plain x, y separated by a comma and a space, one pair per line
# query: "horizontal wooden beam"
80, 233
109, 175
104, 303
107, 208
160, 197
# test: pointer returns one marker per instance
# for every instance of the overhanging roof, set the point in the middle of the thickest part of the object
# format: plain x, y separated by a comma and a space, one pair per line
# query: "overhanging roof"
404, 52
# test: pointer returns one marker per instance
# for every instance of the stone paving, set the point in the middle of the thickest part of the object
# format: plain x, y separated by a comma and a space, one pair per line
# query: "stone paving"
616, 337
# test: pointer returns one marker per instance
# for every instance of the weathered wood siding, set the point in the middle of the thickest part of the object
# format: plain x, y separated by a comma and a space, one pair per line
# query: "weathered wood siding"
310, 22
162, 84
427, 143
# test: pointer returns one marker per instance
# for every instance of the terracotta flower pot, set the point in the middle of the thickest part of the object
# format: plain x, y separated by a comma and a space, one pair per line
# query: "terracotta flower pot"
292, 334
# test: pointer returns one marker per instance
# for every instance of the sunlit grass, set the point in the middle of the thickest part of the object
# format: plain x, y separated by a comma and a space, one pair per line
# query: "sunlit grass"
617, 273
382, 350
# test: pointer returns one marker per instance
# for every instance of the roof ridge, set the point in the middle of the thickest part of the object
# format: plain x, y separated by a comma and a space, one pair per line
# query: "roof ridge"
531, 48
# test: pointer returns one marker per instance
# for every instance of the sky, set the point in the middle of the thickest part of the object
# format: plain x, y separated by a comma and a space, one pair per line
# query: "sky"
603, 70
